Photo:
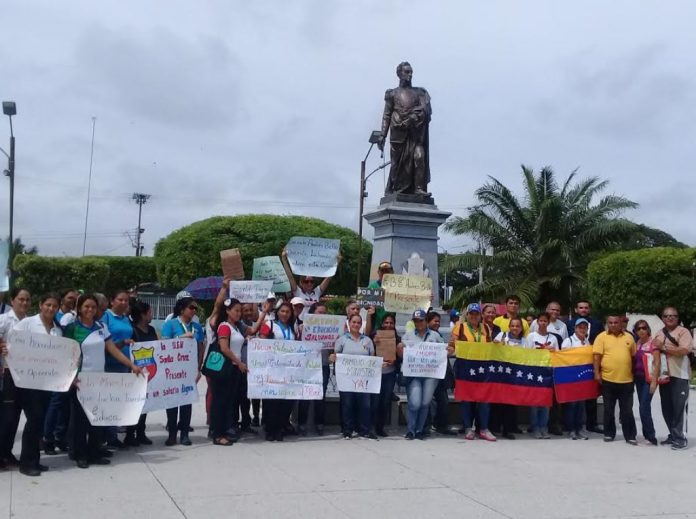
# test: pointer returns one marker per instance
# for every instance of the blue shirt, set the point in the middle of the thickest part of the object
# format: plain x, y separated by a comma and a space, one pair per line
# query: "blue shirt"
175, 328
121, 329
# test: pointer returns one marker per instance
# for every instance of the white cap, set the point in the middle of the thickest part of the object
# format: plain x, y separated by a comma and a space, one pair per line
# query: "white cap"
270, 295
183, 294
298, 301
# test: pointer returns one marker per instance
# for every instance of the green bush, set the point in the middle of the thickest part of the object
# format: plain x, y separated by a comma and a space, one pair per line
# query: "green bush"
194, 251
644, 281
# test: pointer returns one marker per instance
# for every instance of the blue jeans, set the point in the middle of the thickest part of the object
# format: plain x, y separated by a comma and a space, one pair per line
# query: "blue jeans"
482, 411
57, 418
419, 392
574, 416
539, 418
381, 402
644, 399
355, 412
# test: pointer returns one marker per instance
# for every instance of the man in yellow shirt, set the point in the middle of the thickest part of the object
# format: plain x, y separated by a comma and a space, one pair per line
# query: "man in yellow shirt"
613, 368
512, 310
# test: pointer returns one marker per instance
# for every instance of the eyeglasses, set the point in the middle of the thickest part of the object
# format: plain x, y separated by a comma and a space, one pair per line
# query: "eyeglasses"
670, 316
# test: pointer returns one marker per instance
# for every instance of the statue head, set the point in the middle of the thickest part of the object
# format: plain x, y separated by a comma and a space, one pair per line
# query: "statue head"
405, 73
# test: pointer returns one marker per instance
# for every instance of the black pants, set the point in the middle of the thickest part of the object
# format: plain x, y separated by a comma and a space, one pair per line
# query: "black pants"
503, 418
33, 402
256, 407
381, 403
183, 415
674, 398
319, 405
224, 404
276, 414
611, 392
10, 412
591, 414
85, 439
244, 402
139, 429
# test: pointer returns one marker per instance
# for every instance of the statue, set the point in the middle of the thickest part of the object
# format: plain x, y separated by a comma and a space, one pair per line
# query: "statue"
406, 117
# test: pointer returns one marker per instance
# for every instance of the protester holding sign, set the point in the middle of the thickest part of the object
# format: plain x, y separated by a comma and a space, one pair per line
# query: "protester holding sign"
276, 412
355, 407
183, 325
95, 341
307, 289
380, 313
34, 401
381, 402
10, 410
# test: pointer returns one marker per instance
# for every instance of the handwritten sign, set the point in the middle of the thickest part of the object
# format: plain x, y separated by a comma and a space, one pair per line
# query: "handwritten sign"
250, 291
425, 359
231, 261
39, 361
406, 294
285, 370
112, 399
270, 267
313, 256
370, 297
323, 328
359, 373
172, 367
385, 344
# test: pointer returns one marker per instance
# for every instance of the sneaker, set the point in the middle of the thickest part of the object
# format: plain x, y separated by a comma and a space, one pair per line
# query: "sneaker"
143, 439
608, 439
369, 436
651, 441
667, 441
347, 436
678, 446
421, 436
632, 442
410, 436
470, 435
538, 435
487, 435
382, 433
574, 436
50, 449
580, 436
545, 435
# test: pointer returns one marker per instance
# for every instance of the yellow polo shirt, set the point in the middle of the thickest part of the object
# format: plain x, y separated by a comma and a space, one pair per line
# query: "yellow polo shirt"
617, 353
503, 322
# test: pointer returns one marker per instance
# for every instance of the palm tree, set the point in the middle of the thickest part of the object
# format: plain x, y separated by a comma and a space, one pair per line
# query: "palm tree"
541, 242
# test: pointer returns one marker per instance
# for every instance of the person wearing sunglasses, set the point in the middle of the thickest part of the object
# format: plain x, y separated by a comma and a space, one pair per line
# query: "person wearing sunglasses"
183, 325
675, 341
645, 389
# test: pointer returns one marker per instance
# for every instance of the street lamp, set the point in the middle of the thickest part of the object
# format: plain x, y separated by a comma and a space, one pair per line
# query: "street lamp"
375, 137
9, 108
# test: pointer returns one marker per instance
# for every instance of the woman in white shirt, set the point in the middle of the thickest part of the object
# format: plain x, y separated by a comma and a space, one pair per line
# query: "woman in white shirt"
541, 339
574, 412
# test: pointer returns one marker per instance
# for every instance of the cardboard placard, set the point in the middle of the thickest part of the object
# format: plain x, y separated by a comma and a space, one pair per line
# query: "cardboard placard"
406, 294
231, 261
370, 297
385, 344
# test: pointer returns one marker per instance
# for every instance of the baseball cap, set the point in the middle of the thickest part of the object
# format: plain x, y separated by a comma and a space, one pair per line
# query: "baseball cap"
419, 314
582, 320
473, 307
270, 296
454, 313
297, 301
183, 294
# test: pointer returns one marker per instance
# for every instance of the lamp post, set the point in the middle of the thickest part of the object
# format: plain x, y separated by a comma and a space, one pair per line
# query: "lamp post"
446, 290
9, 108
375, 137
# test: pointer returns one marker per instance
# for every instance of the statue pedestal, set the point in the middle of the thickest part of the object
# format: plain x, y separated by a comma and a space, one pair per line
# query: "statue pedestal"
406, 236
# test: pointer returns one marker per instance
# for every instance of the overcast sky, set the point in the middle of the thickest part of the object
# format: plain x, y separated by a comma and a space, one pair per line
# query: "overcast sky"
221, 107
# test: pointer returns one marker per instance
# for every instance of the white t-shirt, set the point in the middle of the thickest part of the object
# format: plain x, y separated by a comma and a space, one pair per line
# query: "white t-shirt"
537, 340
34, 324
7, 322
574, 342
504, 338
309, 298
558, 327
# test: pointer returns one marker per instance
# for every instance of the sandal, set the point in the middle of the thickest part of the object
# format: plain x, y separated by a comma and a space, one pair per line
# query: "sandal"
222, 441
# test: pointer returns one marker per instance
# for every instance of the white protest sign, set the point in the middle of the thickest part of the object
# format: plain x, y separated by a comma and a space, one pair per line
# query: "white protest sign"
323, 328
112, 399
172, 367
250, 291
406, 294
289, 370
270, 267
40, 361
313, 256
359, 373
425, 359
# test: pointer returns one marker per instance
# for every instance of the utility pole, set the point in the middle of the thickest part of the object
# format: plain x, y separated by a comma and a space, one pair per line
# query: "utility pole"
140, 199
89, 186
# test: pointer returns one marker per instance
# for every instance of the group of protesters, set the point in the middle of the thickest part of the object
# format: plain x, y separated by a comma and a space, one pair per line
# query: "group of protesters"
105, 328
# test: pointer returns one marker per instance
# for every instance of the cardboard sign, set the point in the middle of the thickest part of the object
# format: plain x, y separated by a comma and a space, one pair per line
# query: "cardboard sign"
285, 370
370, 297
425, 359
313, 256
406, 294
323, 328
385, 344
40, 361
172, 367
359, 373
112, 399
270, 267
231, 261
250, 291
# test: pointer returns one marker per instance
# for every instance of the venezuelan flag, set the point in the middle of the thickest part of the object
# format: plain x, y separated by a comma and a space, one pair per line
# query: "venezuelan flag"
495, 373
573, 375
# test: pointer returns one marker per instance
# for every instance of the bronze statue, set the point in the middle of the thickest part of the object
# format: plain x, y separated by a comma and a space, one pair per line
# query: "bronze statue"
406, 116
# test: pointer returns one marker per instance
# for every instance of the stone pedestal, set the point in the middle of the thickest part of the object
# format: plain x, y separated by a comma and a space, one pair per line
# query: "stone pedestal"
406, 236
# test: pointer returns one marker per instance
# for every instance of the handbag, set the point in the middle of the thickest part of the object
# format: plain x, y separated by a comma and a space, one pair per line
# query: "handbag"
216, 365
649, 361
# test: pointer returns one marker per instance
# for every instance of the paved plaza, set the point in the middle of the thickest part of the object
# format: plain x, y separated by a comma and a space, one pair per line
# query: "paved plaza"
331, 477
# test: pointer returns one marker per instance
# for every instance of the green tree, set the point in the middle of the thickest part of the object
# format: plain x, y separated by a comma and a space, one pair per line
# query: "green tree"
543, 241
194, 251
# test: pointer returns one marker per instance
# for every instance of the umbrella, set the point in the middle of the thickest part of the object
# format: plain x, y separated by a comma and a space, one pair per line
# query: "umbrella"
204, 288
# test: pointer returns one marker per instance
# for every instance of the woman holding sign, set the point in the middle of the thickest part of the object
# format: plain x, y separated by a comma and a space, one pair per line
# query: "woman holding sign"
385, 344
182, 325
95, 341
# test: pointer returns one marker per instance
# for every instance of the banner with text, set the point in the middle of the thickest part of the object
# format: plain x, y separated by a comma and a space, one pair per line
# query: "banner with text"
406, 294
370, 297
40, 361
250, 291
359, 373
285, 370
172, 367
313, 256
112, 399
425, 359
323, 328
271, 268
